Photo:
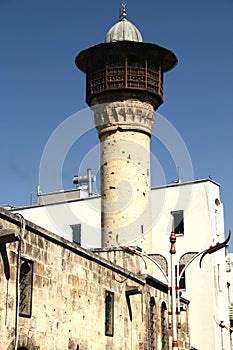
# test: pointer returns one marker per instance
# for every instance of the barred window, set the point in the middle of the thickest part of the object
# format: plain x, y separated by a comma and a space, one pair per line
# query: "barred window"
25, 285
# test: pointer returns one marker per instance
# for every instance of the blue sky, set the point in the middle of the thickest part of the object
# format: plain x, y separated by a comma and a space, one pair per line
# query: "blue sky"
40, 86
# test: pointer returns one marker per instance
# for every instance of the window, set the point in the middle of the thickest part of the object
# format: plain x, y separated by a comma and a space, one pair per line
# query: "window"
151, 324
109, 313
116, 61
178, 219
164, 330
76, 233
25, 285
182, 284
134, 61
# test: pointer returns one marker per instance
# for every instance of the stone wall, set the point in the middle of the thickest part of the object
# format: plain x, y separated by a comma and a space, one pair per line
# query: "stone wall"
79, 300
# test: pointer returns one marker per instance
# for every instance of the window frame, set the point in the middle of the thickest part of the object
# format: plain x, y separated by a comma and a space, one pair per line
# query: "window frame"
25, 286
109, 314
79, 233
182, 278
178, 219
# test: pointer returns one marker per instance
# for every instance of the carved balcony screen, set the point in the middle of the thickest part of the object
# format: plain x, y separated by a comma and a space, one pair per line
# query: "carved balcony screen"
125, 77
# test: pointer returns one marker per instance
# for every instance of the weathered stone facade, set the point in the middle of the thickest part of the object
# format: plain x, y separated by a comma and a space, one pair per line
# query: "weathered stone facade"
79, 300
124, 129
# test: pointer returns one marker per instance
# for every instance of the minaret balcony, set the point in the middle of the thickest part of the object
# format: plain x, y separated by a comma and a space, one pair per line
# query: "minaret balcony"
141, 79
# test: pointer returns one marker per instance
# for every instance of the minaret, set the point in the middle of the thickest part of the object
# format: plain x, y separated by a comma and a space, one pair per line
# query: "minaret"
124, 87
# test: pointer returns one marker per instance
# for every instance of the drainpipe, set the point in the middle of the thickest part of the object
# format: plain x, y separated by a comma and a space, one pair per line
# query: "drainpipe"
22, 230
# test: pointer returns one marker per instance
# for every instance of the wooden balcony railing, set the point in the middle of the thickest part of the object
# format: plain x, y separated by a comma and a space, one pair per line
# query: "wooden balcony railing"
125, 77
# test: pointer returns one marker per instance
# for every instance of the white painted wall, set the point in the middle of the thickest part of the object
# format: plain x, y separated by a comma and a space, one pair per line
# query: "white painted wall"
203, 226
58, 217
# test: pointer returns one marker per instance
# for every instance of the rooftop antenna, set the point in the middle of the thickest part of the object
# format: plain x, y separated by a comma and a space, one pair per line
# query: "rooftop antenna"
86, 180
178, 176
178, 173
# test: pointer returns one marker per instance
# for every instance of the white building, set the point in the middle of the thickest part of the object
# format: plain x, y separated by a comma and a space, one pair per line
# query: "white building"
198, 215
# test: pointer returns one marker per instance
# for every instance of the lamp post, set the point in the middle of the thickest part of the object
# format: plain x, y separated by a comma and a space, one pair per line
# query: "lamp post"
173, 288
173, 278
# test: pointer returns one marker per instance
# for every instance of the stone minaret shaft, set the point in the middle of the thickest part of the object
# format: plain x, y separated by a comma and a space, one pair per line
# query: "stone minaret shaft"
124, 130
124, 88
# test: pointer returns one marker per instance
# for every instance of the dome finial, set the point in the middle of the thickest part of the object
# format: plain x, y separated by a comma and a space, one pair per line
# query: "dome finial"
123, 15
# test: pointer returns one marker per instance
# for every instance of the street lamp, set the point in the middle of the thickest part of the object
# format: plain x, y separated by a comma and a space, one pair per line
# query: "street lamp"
173, 278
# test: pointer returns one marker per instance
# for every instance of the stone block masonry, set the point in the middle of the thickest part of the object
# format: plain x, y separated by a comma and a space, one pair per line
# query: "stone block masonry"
79, 300
124, 129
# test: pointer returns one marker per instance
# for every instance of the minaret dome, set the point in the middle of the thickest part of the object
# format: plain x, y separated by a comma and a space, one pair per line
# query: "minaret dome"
124, 30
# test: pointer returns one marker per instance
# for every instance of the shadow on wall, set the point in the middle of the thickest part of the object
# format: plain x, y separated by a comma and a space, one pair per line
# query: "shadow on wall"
24, 343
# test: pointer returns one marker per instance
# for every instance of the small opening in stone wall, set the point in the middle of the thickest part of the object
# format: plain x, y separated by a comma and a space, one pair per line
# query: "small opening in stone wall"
26, 286
152, 325
143, 193
142, 230
109, 313
112, 173
112, 187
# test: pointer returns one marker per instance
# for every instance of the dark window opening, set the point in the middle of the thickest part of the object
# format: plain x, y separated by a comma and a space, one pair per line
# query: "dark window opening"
182, 284
116, 61
109, 313
178, 219
76, 233
152, 66
25, 286
151, 323
134, 61
164, 328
